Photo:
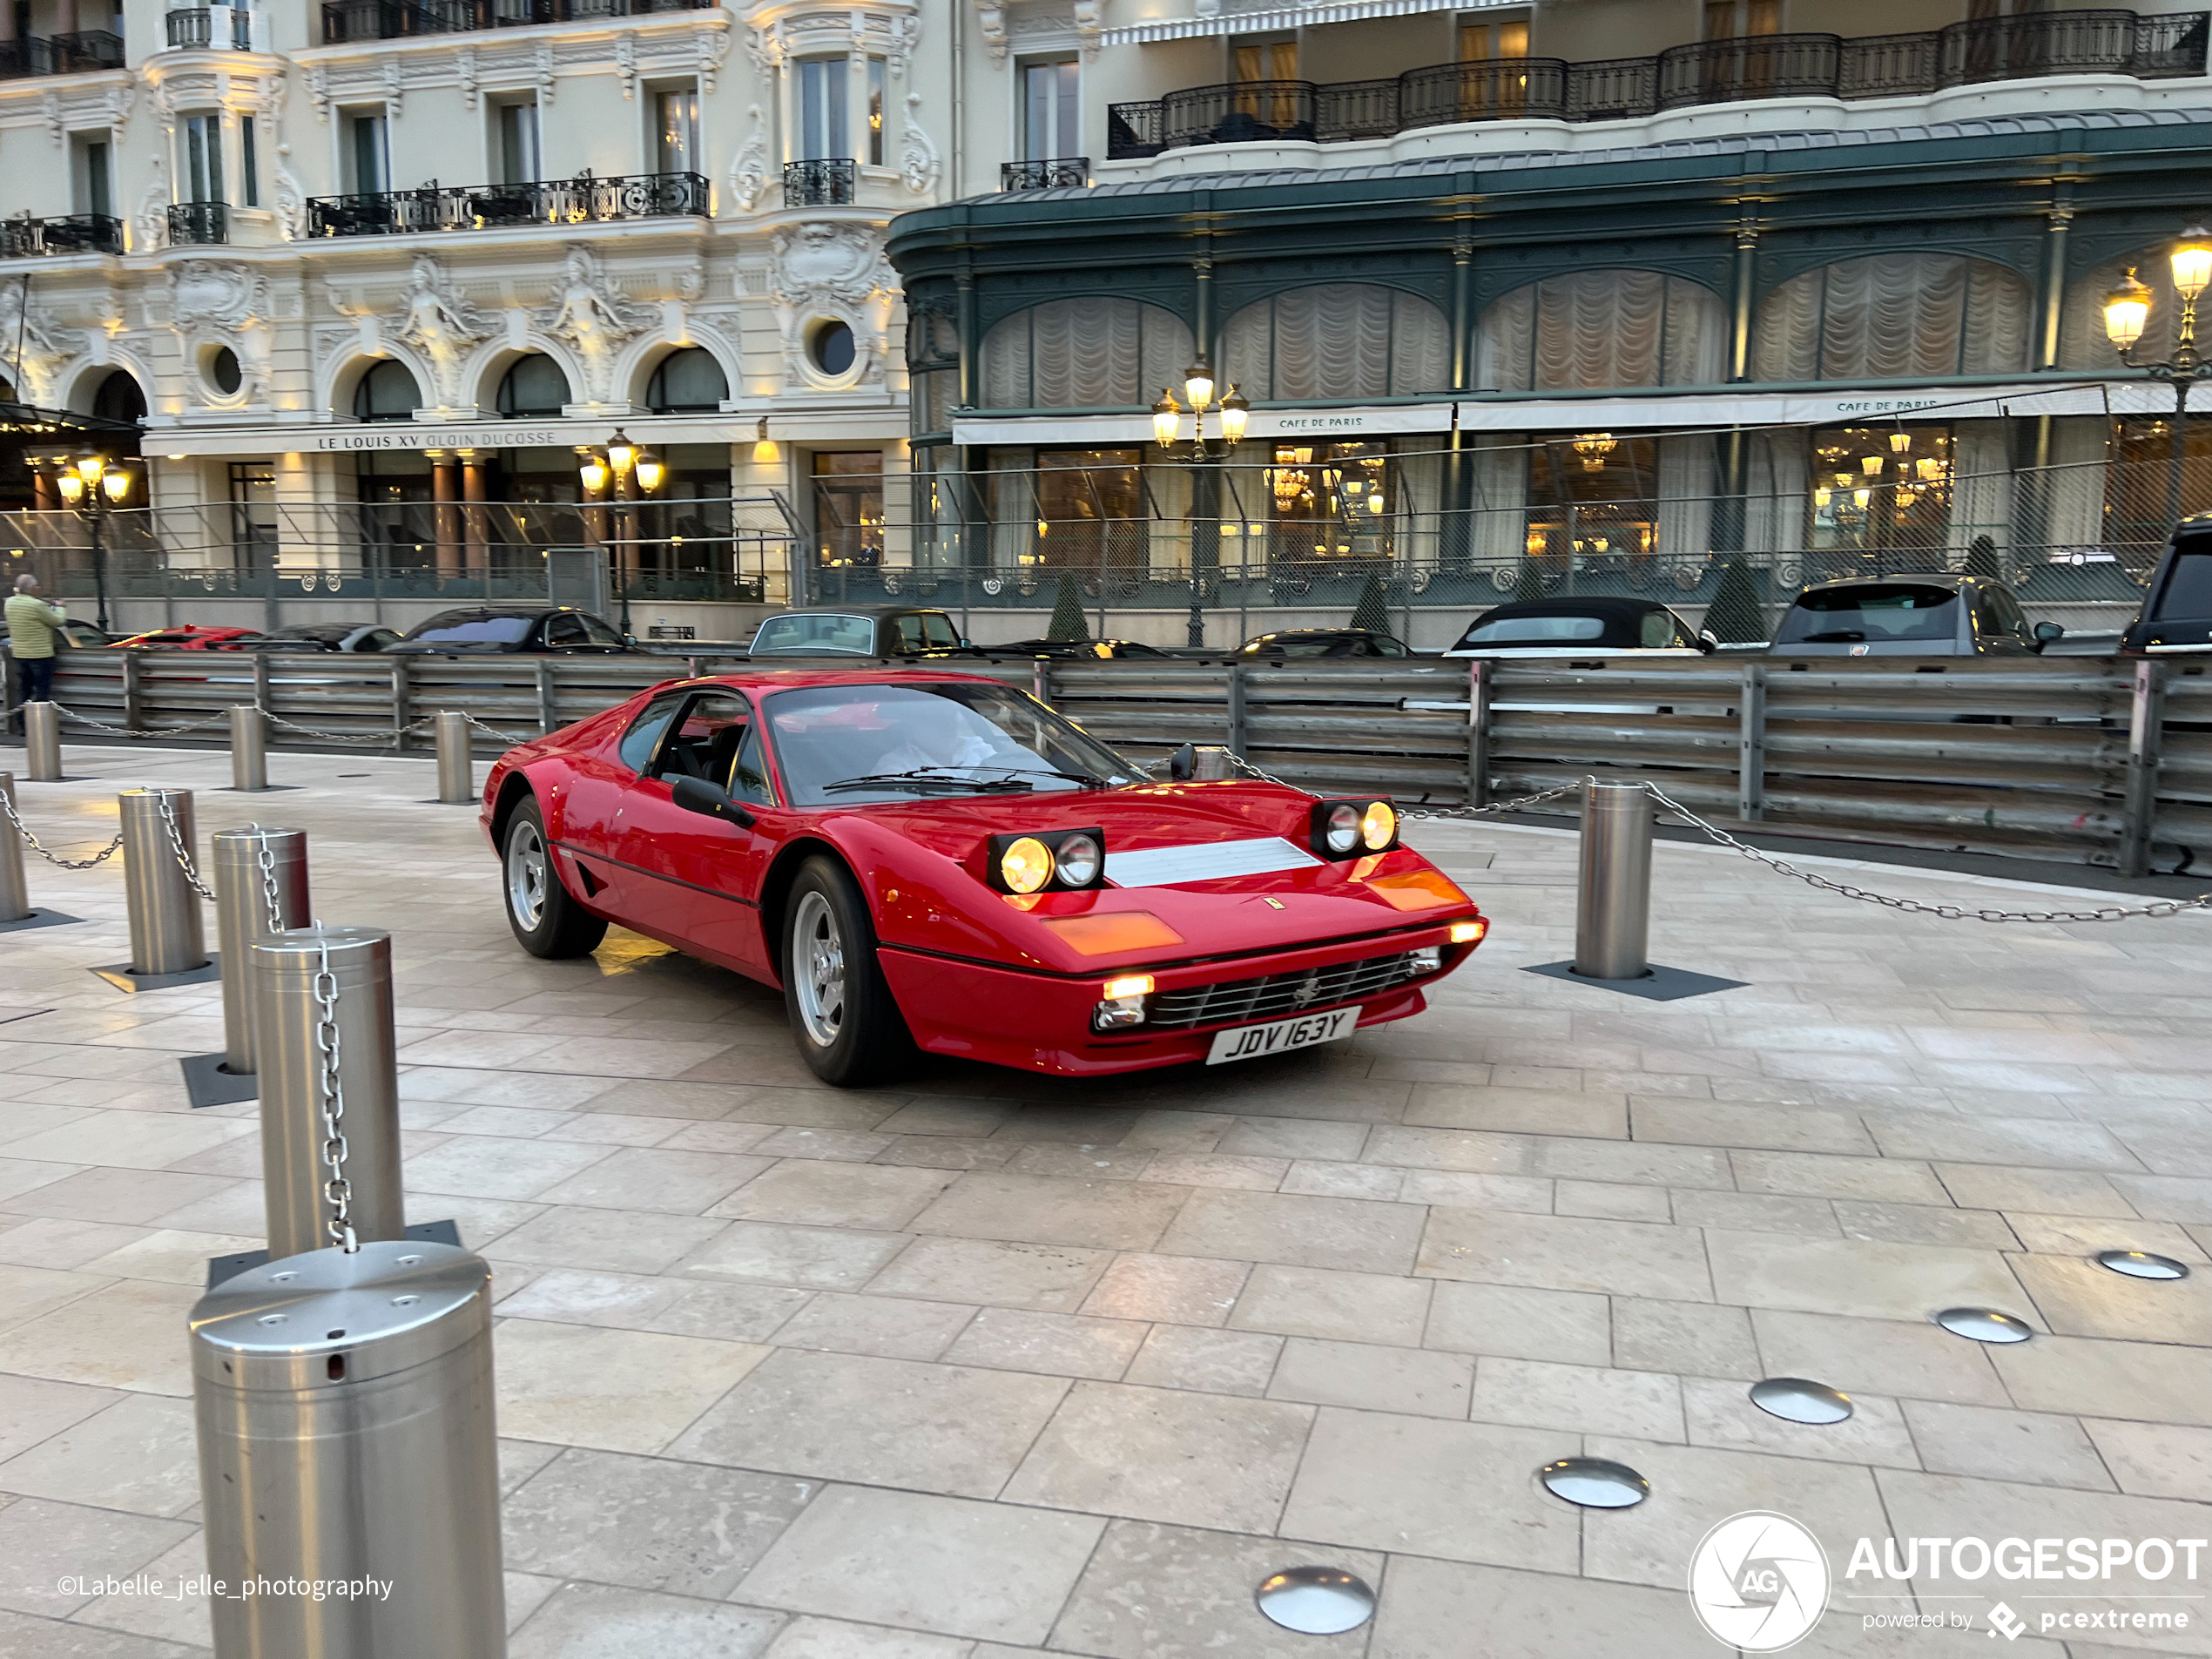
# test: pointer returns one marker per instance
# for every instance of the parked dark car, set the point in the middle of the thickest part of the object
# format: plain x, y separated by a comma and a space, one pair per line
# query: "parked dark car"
489, 630
1105, 649
1334, 642
861, 631
319, 636
1556, 627
1910, 616
2176, 615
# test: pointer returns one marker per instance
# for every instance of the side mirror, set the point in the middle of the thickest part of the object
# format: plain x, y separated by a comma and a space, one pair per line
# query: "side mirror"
1183, 764
1708, 641
2047, 632
697, 795
965, 644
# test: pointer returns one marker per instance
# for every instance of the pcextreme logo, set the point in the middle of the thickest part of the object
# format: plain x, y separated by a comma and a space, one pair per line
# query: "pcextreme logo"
1759, 1581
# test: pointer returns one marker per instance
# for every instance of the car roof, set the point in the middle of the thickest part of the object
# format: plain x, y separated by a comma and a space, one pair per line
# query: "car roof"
1612, 607
854, 610
1323, 633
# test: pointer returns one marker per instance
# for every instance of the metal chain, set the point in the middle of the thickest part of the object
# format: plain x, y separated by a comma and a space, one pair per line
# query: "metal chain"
493, 731
382, 735
337, 1191
76, 718
266, 861
177, 846
1244, 765
32, 842
1947, 912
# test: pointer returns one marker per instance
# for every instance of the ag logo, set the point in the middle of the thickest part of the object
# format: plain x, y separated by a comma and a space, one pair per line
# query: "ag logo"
1759, 1581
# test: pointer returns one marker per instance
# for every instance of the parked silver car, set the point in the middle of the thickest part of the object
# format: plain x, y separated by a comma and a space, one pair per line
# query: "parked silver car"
1910, 616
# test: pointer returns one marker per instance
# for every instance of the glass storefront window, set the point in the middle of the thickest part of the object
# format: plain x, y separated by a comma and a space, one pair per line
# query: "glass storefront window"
1596, 493
1330, 502
1878, 491
849, 510
2138, 481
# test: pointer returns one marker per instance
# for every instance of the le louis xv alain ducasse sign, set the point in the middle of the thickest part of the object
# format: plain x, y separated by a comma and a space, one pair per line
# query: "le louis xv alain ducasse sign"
505, 435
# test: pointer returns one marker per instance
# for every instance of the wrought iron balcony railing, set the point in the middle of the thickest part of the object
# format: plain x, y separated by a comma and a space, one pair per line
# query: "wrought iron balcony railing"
1061, 172
346, 20
582, 199
73, 54
204, 26
827, 182
1713, 72
22, 239
198, 222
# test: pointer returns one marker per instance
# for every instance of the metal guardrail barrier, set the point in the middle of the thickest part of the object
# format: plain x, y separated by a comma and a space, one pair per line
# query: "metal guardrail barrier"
2092, 759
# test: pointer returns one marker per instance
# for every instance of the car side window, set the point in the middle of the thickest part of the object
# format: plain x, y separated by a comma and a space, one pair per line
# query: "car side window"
938, 631
1655, 630
2010, 616
909, 633
749, 777
708, 735
564, 630
1387, 646
598, 633
646, 730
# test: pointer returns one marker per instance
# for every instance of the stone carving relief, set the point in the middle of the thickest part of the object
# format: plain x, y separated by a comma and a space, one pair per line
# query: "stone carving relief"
592, 319
835, 270
749, 171
150, 225
440, 325
212, 302
918, 167
33, 347
990, 15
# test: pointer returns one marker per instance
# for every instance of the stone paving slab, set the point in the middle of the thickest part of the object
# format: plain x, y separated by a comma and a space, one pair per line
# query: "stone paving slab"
983, 1364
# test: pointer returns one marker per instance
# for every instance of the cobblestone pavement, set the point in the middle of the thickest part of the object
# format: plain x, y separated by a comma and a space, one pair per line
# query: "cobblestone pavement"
986, 1364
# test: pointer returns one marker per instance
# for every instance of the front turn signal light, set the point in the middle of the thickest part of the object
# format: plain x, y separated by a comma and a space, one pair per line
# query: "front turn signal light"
1127, 985
1469, 933
1026, 865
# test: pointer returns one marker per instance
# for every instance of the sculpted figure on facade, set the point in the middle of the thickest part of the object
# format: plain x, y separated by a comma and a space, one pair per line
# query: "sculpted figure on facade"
31, 346
749, 171
592, 318
440, 325
832, 269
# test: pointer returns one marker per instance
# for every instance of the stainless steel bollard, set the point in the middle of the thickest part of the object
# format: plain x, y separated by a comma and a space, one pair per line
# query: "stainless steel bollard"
42, 742
1613, 909
346, 1427
242, 920
1211, 763
15, 895
288, 1051
249, 748
165, 932
456, 770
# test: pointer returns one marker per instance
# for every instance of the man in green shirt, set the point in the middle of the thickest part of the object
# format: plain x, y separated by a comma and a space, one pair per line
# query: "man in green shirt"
31, 639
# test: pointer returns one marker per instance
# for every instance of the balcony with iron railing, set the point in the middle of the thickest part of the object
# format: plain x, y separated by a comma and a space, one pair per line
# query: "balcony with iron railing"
227, 27
80, 53
351, 20
27, 237
1061, 172
1713, 72
584, 199
198, 222
829, 181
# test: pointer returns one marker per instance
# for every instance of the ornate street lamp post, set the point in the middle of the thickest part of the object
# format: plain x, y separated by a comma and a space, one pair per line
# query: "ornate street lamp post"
2127, 311
91, 486
634, 473
1233, 413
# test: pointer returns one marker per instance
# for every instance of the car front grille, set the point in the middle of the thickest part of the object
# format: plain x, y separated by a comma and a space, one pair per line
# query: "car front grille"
1277, 994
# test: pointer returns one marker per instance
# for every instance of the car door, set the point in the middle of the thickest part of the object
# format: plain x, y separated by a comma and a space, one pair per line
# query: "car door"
697, 879
588, 816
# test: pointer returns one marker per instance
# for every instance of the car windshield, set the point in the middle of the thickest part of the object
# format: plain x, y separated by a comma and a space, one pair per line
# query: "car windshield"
474, 630
2188, 592
1851, 615
854, 634
1533, 630
893, 742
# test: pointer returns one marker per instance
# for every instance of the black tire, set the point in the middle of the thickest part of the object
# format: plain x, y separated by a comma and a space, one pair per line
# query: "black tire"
847, 1027
546, 921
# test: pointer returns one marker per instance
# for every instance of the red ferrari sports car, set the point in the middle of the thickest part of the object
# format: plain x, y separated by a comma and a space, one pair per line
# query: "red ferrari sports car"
918, 856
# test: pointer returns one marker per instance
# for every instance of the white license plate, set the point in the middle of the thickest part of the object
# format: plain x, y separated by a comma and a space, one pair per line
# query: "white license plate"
1279, 1037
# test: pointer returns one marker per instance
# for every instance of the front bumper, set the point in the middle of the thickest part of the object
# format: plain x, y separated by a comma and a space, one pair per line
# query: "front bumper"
1042, 1022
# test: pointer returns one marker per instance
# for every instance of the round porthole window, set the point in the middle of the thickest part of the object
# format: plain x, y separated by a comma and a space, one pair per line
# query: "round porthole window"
830, 348
223, 371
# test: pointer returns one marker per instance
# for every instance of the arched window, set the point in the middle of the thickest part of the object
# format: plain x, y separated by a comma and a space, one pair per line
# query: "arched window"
386, 392
119, 398
687, 383
1894, 316
1598, 329
1337, 339
533, 385
1093, 352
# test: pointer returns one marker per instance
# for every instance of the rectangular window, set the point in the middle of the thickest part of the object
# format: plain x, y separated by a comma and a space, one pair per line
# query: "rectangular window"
253, 516
203, 178
877, 72
823, 133
1050, 127
848, 509
372, 157
95, 189
249, 163
1265, 60
518, 153
679, 142
1480, 42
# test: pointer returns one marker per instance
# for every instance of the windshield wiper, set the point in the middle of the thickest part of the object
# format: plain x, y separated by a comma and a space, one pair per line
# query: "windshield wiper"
924, 778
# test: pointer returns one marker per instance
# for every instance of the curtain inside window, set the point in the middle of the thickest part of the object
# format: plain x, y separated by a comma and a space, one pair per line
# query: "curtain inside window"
1981, 487
2074, 486
1894, 316
1501, 497
1774, 485
1686, 493
1336, 342
1598, 329
1091, 353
